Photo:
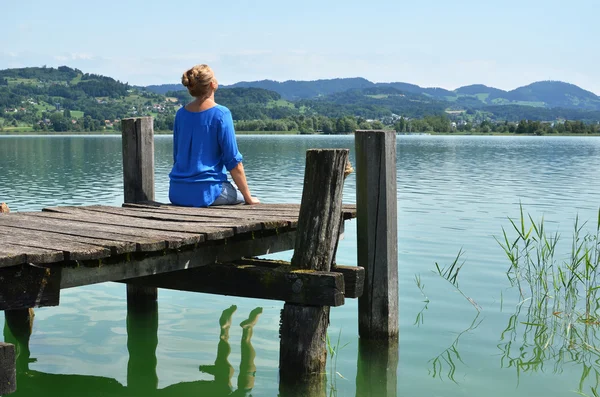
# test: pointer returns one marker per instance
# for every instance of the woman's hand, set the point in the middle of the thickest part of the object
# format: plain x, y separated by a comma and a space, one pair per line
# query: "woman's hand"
252, 201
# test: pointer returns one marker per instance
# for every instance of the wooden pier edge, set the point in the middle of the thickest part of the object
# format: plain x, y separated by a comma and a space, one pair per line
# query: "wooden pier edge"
377, 234
138, 184
303, 329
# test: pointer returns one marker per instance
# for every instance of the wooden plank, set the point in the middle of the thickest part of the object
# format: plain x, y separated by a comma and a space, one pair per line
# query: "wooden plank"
115, 247
82, 229
307, 287
179, 260
210, 233
377, 235
28, 286
31, 255
302, 348
163, 238
72, 250
354, 276
267, 221
138, 159
238, 226
12, 256
349, 209
8, 368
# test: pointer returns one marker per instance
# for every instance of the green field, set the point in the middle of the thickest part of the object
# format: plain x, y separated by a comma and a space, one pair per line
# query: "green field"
282, 103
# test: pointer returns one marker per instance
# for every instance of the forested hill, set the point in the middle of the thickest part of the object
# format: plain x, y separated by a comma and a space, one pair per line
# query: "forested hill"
545, 94
66, 99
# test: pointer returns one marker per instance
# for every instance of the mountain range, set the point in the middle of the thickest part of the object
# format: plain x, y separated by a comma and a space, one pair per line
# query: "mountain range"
545, 94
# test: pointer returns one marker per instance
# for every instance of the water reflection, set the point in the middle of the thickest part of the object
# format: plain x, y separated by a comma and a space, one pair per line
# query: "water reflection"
142, 380
377, 368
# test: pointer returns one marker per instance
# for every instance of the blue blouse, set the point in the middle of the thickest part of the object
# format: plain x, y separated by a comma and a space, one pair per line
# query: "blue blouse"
204, 147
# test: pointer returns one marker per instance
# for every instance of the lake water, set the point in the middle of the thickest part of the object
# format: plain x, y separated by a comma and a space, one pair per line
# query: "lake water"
453, 193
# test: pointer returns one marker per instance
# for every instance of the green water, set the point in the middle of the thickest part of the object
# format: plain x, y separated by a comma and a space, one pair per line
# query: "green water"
453, 193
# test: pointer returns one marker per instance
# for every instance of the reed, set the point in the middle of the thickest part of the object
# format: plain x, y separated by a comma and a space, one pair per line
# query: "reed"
557, 318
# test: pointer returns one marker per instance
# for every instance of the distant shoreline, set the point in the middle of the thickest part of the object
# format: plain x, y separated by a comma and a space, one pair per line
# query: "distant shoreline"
117, 133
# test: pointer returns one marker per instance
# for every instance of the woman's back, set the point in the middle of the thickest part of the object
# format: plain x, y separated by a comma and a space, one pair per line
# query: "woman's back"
204, 148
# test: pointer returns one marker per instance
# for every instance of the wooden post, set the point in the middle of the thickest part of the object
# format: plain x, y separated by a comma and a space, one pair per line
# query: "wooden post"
8, 371
138, 181
303, 353
377, 235
19, 323
138, 159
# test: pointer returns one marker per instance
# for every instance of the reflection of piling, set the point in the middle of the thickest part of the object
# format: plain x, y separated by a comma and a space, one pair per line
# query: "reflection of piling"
377, 368
142, 340
377, 236
138, 182
303, 354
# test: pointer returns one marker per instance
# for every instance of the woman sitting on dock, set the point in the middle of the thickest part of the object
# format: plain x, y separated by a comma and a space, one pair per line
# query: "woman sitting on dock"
204, 146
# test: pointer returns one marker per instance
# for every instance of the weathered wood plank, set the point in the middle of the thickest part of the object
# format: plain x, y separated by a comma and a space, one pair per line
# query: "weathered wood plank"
377, 236
15, 254
272, 209
28, 286
239, 226
172, 239
210, 233
353, 275
307, 287
86, 230
73, 250
303, 329
8, 368
115, 247
178, 260
268, 221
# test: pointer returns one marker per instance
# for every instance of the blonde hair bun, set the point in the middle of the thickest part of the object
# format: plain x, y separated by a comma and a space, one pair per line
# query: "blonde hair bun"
198, 79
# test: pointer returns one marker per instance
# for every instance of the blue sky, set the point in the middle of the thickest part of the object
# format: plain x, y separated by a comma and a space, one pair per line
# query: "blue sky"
505, 44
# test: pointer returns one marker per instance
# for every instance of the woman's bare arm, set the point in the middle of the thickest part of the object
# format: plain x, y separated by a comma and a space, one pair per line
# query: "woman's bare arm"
239, 177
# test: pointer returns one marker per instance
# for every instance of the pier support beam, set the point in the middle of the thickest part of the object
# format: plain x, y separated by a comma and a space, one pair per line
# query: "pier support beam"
377, 234
303, 330
138, 183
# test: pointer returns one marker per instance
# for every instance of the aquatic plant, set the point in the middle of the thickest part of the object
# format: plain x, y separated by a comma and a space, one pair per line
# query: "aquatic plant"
450, 274
560, 296
334, 349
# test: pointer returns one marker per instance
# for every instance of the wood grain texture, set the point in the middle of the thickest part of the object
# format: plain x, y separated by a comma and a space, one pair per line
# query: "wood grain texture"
303, 329
28, 286
306, 287
353, 275
377, 241
138, 159
8, 369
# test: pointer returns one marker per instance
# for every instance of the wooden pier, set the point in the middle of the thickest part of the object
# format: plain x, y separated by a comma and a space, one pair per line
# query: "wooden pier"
149, 245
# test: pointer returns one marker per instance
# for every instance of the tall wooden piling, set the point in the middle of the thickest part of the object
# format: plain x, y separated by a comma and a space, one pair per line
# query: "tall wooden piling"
8, 372
302, 353
377, 235
138, 182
